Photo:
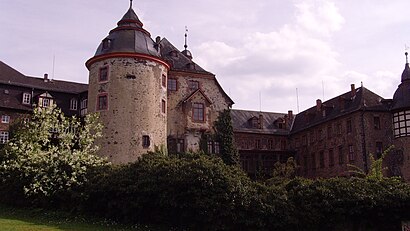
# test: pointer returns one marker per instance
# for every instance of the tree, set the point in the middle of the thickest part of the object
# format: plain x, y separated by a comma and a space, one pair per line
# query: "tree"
224, 135
51, 153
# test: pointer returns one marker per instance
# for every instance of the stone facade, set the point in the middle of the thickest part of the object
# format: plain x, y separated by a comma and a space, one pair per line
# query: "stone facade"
132, 84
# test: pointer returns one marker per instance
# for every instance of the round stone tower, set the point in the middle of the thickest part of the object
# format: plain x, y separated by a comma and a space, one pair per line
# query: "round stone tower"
400, 164
127, 86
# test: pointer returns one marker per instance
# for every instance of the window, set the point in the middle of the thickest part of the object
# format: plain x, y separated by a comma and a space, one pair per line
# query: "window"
106, 44
102, 102
339, 129
329, 132
4, 137
216, 147
257, 144
164, 80
322, 159
331, 158
401, 124
172, 84
313, 161
351, 153
349, 126
84, 104
379, 149
193, 85
5, 119
198, 112
26, 98
341, 157
376, 121
180, 145
46, 102
73, 104
163, 106
270, 144
255, 122
146, 141
103, 74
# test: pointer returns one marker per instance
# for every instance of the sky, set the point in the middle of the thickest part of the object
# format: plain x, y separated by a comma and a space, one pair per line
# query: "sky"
269, 55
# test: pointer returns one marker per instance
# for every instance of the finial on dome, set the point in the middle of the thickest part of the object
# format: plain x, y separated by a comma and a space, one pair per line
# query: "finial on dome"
186, 35
130, 3
407, 58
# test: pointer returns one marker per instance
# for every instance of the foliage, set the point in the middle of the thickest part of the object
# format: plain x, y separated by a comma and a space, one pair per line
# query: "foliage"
193, 191
376, 167
51, 153
283, 172
224, 135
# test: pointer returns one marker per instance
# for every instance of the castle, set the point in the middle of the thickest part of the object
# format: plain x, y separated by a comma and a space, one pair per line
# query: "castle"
149, 94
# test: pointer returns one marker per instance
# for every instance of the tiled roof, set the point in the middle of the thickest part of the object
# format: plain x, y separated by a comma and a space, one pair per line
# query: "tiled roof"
178, 60
10, 76
241, 122
341, 105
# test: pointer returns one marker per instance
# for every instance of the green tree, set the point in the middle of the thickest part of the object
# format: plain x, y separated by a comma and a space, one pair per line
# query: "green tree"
376, 167
51, 153
224, 135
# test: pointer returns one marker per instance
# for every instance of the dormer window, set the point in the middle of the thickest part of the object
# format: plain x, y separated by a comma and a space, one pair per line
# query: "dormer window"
106, 44
45, 100
26, 98
73, 104
255, 122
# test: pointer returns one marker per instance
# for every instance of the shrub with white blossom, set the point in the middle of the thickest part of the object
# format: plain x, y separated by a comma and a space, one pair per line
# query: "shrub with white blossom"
51, 153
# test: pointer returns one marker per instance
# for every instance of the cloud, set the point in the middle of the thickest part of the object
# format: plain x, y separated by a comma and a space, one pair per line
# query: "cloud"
319, 16
277, 62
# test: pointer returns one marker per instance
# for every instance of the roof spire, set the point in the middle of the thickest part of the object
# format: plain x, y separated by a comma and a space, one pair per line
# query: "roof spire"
130, 4
407, 58
186, 35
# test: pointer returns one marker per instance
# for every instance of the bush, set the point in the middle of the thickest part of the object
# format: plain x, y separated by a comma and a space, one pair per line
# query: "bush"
191, 191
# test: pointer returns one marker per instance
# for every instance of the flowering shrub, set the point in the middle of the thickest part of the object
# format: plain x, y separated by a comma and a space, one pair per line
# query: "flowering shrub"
51, 153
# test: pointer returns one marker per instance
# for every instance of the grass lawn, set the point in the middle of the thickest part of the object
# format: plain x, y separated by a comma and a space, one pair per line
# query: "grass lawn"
13, 219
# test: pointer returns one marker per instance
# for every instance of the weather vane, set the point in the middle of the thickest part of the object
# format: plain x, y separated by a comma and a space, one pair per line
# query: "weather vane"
186, 35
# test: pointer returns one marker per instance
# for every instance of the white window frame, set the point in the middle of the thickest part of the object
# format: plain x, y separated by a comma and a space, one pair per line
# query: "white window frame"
26, 98
5, 119
44, 102
4, 137
73, 104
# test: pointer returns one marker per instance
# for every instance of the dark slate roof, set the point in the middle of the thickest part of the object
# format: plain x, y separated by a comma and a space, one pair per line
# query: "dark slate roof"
10, 76
341, 105
178, 60
241, 122
401, 98
129, 37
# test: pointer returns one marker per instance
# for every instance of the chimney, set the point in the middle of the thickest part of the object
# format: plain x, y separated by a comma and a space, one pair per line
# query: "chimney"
45, 77
318, 105
352, 90
290, 114
260, 121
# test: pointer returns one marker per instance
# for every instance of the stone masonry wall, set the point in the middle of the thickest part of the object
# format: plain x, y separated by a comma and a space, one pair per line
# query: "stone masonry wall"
135, 94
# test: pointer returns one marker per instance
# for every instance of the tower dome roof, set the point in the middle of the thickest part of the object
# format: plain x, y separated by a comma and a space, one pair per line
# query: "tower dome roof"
401, 98
128, 37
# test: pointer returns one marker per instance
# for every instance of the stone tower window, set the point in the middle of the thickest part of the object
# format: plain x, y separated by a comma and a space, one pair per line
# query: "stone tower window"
5, 119
164, 80
163, 106
102, 102
103, 75
146, 141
